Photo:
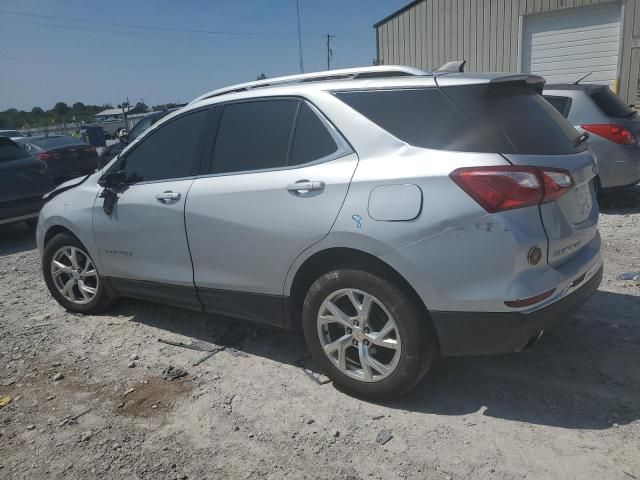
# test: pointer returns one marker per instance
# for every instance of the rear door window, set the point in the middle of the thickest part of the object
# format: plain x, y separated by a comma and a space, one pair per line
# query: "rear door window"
254, 135
611, 105
311, 141
562, 104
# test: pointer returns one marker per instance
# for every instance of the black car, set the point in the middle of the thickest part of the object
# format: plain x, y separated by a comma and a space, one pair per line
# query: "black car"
66, 157
23, 181
145, 122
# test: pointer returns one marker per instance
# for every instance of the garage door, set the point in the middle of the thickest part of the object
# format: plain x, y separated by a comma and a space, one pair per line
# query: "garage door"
566, 45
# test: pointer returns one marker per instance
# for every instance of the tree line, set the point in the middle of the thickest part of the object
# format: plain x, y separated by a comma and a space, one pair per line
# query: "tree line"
61, 113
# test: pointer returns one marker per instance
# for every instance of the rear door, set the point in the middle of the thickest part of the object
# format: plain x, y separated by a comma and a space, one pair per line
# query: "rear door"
278, 177
527, 130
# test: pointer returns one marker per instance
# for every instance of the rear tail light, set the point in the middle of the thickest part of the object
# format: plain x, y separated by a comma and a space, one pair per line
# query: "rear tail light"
44, 156
615, 133
507, 187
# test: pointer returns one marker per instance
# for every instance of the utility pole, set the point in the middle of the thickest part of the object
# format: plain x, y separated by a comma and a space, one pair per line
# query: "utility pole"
299, 36
329, 51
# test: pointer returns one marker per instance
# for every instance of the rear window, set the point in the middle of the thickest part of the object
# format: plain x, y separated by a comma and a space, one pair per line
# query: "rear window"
9, 150
10, 133
54, 142
562, 104
516, 119
611, 105
508, 118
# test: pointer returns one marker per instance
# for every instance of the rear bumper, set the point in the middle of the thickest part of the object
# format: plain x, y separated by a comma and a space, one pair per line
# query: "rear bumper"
20, 210
620, 173
487, 333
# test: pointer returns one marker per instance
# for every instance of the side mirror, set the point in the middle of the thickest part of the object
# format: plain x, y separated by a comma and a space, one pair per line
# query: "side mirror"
113, 179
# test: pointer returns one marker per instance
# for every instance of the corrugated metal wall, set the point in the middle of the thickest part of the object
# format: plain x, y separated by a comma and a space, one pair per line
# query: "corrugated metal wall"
486, 33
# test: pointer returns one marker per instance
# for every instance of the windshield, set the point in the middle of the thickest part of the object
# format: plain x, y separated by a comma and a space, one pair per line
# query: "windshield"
143, 124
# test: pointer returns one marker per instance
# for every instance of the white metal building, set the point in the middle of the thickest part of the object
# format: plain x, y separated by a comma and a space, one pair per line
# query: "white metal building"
561, 40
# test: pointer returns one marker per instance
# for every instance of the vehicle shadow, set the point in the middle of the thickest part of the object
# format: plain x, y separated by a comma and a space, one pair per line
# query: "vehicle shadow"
16, 238
621, 201
583, 374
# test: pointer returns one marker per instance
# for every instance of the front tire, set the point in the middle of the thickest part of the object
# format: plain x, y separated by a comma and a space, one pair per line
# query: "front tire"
72, 277
367, 335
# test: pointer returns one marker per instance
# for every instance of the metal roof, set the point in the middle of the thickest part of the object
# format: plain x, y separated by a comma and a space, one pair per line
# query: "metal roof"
109, 112
396, 13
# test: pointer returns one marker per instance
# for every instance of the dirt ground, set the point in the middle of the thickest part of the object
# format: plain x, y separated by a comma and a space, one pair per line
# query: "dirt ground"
567, 408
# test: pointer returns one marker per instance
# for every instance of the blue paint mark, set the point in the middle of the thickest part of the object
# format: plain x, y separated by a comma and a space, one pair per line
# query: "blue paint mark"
358, 219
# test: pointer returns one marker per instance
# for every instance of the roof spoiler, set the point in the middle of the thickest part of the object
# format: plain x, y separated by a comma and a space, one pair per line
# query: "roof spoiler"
535, 82
455, 66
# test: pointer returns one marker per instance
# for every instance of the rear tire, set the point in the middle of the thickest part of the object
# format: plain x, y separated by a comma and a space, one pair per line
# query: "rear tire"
378, 355
71, 276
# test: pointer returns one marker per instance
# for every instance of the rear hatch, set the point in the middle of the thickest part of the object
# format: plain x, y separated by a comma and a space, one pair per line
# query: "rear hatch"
525, 129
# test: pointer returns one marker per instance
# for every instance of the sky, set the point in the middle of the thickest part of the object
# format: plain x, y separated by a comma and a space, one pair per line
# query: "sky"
77, 50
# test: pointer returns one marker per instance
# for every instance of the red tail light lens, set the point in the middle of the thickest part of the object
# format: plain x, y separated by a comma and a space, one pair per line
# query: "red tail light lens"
44, 156
615, 133
507, 187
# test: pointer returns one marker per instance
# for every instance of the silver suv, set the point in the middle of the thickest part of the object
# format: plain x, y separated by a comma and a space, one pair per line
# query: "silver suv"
392, 214
612, 125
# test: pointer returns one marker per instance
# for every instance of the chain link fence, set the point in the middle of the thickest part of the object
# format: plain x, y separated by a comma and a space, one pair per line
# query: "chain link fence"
110, 126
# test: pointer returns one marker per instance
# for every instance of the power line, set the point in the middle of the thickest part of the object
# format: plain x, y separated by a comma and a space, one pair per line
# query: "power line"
137, 64
146, 27
155, 28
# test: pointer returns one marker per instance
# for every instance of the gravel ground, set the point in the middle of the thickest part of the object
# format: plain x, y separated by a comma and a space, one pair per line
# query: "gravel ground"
567, 408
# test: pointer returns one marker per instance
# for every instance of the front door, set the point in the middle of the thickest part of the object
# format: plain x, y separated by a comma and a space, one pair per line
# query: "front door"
279, 176
142, 242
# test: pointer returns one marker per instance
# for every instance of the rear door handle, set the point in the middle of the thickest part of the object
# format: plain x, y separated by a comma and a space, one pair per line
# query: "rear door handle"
168, 196
304, 187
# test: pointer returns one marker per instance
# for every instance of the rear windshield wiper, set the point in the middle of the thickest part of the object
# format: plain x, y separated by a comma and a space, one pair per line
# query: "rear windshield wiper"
580, 139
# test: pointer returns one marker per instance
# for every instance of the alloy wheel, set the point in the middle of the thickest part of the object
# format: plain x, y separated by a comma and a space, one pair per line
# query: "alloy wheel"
359, 335
74, 275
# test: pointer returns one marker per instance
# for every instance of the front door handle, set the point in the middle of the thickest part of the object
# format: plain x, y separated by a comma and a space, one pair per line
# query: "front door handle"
305, 187
168, 196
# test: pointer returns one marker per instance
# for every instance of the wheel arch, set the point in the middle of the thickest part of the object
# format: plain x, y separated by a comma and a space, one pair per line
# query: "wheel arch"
54, 230
342, 257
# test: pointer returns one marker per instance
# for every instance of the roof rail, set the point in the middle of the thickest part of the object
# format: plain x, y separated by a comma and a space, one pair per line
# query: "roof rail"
380, 71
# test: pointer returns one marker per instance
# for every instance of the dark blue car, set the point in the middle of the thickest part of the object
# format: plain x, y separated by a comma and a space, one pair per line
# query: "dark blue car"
23, 181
